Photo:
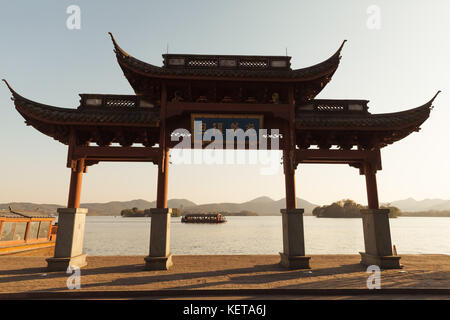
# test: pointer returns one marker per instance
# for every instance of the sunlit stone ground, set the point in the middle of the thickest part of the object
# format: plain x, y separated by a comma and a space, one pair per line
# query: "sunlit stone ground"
28, 274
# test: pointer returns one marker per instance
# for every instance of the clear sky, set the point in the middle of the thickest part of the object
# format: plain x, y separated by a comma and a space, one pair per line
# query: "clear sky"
399, 66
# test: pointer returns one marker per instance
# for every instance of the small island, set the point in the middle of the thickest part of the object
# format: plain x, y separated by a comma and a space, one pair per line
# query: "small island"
348, 208
136, 213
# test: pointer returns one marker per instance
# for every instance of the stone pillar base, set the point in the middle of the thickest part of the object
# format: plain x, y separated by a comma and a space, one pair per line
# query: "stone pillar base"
294, 262
69, 240
158, 263
159, 257
293, 235
384, 262
377, 240
293, 255
61, 264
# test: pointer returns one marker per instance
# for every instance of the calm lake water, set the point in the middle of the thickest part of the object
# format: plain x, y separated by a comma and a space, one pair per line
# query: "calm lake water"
261, 235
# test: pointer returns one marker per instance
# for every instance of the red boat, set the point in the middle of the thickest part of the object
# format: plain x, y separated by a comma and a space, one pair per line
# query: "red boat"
27, 233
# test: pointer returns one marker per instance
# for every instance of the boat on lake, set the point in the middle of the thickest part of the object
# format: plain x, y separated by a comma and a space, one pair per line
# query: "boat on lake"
27, 233
203, 218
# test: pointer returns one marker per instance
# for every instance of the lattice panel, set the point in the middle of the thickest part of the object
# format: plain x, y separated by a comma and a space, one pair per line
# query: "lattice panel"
120, 103
202, 63
253, 64
330, 107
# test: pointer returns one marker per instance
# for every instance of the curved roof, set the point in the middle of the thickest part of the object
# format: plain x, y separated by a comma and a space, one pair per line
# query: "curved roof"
133, 67
101, 116
363, 129
135, 122
411, 118
95, 124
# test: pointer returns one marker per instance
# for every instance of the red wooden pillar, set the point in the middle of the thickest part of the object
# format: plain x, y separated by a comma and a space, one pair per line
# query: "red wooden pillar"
289, 180
163, 178
371, 185
75, 184
289, 154
163, 163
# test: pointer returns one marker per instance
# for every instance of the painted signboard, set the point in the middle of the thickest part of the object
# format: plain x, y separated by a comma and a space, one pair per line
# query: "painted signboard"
222, 122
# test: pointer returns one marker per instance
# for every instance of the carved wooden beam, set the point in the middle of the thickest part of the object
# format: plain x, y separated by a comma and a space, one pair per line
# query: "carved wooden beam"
131, 154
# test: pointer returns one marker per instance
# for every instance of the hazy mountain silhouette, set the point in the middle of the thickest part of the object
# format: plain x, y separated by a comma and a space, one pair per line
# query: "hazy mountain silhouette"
261, 206
412, 205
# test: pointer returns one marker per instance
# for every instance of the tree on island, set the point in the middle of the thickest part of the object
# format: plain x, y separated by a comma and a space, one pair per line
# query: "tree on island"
348, 208
176, 212
134, 212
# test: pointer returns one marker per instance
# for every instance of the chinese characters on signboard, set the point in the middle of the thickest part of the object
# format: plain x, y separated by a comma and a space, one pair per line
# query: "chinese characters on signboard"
222, 122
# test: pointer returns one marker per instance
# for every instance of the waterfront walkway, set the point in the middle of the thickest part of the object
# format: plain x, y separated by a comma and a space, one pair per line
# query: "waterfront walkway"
229, 276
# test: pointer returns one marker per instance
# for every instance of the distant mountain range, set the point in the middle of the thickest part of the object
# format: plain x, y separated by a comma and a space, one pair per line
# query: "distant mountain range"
412, 205
261, 206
